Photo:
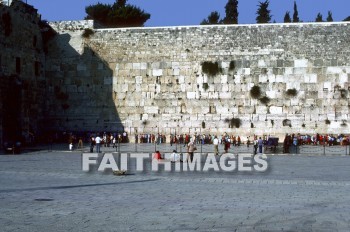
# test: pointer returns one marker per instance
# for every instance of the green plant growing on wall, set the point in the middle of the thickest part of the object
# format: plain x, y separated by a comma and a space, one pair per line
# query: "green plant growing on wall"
343, 93
87, 33
205, 86
327, 121
232, 66
211, 68
343, 123
203, 124
145, 122
265, 100
303, 125
235, 122
287, 122
255, 92
291, 92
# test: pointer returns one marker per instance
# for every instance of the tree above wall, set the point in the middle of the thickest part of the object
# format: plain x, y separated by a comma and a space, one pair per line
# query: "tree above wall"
263, 12
119, 14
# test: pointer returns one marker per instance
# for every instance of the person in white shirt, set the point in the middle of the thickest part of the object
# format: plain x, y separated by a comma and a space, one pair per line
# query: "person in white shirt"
175, 157
216, 145
98, 143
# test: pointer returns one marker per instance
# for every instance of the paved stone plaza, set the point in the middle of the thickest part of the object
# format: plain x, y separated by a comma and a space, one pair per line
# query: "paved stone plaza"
47, 191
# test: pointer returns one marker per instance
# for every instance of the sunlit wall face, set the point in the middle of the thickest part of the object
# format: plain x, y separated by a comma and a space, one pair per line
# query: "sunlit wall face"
6, 2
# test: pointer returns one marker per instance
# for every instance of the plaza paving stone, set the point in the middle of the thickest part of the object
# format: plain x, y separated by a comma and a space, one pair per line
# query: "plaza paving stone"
48, 191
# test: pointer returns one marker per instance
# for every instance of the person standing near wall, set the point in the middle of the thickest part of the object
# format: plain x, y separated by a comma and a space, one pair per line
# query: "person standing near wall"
255, 144
260, 144
191, 147
98, 143
92, 143
216, 145
80, 143
295, 143
227, 144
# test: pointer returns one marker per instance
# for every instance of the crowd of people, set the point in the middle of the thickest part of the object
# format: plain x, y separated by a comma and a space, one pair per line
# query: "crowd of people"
109, 139
318, 139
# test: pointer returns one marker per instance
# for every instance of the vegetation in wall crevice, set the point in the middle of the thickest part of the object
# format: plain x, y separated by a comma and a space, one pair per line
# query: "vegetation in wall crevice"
87, 33
255, 92
291, 92
265, 100
211, 68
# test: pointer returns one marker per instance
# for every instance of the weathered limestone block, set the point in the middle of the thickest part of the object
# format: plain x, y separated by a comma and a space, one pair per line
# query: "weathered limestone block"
157, 72
223, 79
279, 78
233, 110
138, 79
246, 71
276, 110
216, 118
213, 95
193, 117
169, 110
151, 109
191, 95
225, 95
334, 70
200, 117
301, 63
263, 78
222, 109
271, 94
200, 80
343, 78
292, 85
136, 65
310, 78
261, 109
237, 78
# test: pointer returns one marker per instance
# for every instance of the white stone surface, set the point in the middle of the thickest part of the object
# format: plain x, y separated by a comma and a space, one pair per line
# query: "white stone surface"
301, 63
276, 110
157, 72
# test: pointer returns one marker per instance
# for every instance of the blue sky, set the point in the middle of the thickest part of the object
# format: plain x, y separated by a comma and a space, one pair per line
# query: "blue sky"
192, 12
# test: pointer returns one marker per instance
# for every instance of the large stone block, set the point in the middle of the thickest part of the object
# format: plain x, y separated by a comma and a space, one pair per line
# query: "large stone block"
157, 72
301, 63
151, 109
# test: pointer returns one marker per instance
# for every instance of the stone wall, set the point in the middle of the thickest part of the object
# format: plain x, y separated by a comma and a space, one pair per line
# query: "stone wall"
22, 60
152, 79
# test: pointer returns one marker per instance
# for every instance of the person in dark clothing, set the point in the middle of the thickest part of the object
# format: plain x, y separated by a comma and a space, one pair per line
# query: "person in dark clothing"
286, 143
260, 144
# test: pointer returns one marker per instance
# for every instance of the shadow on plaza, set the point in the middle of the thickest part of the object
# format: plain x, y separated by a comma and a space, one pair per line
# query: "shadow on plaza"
75, 186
